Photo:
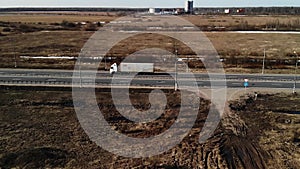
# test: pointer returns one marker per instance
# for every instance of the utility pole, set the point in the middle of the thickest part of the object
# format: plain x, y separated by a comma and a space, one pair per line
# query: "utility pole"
263, 67
15, 58
187, 64
80, 78
15, 55
105, 63
176, 60
295, 72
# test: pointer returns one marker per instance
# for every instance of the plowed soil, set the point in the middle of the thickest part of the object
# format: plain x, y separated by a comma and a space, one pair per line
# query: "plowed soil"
39, 128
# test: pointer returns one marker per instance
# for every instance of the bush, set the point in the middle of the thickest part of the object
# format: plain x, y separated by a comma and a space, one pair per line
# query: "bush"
27, 28
99, 24
90, 27
55, 24
6, 29
68, 24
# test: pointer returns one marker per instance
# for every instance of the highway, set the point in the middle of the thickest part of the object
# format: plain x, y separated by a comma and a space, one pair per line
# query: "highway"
64, 78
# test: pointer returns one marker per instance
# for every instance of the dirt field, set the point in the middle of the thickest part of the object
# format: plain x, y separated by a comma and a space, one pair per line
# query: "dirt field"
273, 121
198, 20
59, 43
39, 129
52, 34
245, 52
242, 21
52, 17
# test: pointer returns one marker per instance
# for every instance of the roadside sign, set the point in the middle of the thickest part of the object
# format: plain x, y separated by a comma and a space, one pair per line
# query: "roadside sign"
246, 83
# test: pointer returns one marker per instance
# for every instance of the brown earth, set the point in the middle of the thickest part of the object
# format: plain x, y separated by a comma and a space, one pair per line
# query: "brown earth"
243, 54
244, 22
273, 122
39, 129
53, 35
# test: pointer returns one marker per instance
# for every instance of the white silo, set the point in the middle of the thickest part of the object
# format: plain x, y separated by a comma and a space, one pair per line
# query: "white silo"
189, 6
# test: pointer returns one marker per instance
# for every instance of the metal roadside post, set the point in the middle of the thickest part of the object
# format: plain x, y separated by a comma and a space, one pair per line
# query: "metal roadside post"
15, 54
79, 57
105, 63
295, 72
176, 60
263, 66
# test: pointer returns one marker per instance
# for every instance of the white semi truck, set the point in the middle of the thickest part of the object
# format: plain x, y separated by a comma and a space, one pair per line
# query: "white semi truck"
132, 67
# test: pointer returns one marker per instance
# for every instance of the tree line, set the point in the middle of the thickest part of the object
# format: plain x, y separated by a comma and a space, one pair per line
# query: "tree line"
197, 10
252, 10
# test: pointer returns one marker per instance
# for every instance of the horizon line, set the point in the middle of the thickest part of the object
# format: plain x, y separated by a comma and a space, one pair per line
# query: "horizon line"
123, 7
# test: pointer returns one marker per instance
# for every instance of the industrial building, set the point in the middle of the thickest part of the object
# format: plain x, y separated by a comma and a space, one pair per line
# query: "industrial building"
154, 10
188, 9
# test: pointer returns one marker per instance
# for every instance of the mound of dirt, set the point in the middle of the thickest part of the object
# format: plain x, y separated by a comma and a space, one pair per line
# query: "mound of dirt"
35, 158
273, 125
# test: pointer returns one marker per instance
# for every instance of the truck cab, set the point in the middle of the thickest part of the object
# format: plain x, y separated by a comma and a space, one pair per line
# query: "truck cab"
113, 68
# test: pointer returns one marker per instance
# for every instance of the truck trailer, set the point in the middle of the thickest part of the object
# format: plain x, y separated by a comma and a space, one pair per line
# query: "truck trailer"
132, 67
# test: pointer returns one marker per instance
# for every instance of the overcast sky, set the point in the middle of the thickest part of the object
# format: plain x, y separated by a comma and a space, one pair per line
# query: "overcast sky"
145, 3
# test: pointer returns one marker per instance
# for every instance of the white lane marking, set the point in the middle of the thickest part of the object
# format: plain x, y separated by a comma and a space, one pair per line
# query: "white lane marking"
16, 79
51, 80
160, 81
276, 84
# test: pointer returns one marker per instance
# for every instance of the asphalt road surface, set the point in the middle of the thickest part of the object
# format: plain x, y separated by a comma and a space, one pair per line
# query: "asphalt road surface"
65, 78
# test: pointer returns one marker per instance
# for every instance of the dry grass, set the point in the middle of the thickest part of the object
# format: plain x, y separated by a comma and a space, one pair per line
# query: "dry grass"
198, 20
45, 43
277, 46
59, 43
56, 18
228, 20
69, 43
227, 44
